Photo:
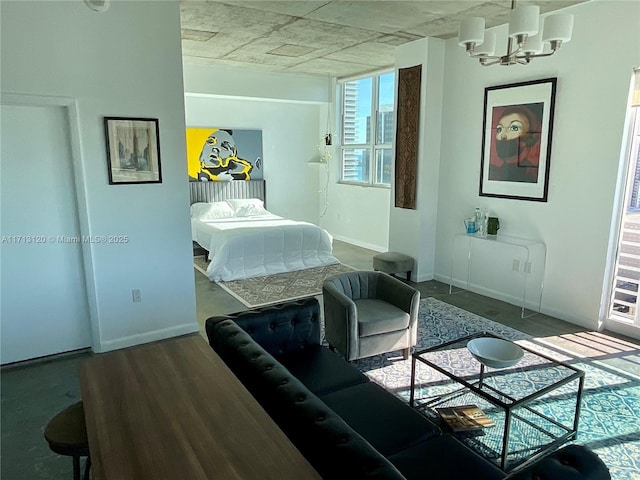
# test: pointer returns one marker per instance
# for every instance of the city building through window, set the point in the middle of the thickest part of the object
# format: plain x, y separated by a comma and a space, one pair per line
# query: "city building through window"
368, 114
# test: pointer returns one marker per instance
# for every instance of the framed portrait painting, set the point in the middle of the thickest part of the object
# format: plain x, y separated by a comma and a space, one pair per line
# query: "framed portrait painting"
516, 140
133, 150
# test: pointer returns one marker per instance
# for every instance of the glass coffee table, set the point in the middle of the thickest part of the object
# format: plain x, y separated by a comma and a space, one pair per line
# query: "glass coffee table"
534, 404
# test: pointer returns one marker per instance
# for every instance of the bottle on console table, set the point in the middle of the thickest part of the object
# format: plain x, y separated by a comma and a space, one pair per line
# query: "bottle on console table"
481, 217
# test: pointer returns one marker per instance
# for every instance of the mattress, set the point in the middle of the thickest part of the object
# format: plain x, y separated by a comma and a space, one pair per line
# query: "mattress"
245, 247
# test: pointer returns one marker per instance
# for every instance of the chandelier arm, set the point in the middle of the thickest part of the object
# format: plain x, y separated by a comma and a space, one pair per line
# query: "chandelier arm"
516, 52
537, 55
495, 61
490, 57
555, 48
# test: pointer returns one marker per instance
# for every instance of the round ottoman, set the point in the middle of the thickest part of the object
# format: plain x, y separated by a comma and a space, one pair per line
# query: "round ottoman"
393, 262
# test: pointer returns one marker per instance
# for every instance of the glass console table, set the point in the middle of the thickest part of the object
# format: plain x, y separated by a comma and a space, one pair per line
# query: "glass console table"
528, 248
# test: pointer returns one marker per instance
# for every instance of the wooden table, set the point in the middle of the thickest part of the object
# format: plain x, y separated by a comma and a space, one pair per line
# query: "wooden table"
173, 410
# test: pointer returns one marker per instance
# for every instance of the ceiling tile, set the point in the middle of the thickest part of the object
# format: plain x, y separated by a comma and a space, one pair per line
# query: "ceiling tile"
375, 54
327, 67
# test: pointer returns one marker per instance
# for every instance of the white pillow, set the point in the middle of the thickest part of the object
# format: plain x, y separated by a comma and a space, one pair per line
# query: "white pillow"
211, 211
199, 208
236, 203
250, 210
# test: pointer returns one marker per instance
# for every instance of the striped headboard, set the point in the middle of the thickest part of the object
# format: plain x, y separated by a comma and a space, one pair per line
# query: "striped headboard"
217, 191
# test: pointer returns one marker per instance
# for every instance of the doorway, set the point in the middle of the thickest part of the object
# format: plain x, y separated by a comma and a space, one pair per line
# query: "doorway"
625, 292
44, 307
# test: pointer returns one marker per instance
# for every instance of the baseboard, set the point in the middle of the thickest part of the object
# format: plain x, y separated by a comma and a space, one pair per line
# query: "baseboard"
147, 337
517, 301
425, 278
630, 331
376, 248
487, 292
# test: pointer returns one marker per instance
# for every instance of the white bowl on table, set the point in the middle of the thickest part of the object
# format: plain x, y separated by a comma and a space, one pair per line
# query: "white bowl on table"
495, 352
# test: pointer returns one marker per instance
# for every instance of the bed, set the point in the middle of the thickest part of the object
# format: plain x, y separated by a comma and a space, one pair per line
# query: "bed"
243, 239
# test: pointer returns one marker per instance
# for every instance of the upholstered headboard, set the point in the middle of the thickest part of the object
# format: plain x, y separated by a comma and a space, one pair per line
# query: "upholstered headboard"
217, 191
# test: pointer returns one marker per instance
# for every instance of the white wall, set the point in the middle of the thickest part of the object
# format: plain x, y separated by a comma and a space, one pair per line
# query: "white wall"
226, 82
593, 72
291, 111
352, 213
124, 62
413, 232
355, 214
289, 138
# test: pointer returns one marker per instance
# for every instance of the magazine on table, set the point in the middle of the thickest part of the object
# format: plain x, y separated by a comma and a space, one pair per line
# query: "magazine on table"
465, 417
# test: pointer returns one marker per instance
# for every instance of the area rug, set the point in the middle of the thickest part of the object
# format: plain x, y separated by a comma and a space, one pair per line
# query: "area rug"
282, 287
610, 409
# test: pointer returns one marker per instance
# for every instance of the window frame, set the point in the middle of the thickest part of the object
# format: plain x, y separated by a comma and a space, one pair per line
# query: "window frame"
373, 146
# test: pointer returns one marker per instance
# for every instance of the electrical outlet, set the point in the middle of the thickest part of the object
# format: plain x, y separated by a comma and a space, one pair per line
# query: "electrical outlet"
516, 265
136, 295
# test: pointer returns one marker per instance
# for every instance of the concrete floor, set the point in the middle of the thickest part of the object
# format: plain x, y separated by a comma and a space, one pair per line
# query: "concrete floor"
33, 392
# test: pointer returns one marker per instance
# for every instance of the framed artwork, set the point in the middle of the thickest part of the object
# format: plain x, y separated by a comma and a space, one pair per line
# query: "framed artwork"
224, 154
133, 150
516, 140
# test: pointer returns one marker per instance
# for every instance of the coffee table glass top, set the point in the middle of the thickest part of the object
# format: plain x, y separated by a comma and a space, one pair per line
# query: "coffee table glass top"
534, 403
533, 374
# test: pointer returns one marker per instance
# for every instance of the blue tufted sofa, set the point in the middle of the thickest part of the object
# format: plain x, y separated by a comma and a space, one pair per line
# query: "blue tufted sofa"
345, 425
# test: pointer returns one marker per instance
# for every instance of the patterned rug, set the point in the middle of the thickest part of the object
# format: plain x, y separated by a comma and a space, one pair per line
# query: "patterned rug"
610, 409
282, 287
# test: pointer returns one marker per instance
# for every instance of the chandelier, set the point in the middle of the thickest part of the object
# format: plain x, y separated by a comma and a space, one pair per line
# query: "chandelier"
527, 36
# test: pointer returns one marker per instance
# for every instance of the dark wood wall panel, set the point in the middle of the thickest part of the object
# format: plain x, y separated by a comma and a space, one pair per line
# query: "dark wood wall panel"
407, 132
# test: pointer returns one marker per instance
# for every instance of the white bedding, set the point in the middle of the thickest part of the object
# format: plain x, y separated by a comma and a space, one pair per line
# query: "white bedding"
244, 247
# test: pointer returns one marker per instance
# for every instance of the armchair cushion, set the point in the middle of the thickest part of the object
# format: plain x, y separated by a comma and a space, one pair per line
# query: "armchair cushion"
376, 316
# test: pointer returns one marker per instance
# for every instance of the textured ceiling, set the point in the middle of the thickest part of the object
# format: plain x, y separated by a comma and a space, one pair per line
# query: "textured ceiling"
338, 38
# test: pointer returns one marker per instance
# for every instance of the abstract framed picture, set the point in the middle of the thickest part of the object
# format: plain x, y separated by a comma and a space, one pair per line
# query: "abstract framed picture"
133, 150
516, 140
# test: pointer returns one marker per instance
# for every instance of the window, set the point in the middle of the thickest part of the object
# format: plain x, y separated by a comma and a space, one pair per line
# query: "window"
368, 116
625, 288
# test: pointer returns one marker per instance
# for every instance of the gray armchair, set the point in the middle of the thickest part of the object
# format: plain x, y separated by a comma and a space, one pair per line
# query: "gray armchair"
369, 313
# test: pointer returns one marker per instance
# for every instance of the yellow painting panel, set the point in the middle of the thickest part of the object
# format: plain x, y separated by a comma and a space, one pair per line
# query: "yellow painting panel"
196, 138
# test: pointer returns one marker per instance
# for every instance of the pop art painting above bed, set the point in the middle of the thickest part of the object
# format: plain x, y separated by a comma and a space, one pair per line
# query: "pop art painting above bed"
222, 154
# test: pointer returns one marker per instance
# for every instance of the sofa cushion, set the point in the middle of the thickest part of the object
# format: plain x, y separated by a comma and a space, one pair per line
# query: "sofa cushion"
332, 447
443, 458
321, 370
572, 462
380, 417
377, 316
